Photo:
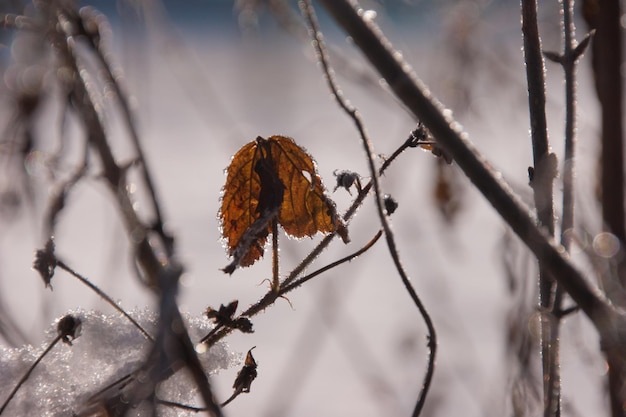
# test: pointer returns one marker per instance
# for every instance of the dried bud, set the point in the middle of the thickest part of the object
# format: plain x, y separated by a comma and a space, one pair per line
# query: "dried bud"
390, 204
69, 328
346, 179
45, 262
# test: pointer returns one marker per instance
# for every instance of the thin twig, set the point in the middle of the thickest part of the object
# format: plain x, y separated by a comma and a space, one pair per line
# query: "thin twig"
568, 59
102, 294
297, 283
568, 62
542, 180
67, 330
30, 370
213, 331
181, 406
411, 142
309, 13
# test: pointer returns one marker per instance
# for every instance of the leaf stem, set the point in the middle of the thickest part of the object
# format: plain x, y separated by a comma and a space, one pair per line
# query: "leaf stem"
275, 271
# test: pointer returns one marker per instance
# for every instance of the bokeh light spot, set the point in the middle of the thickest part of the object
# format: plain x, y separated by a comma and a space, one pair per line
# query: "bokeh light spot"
606, 245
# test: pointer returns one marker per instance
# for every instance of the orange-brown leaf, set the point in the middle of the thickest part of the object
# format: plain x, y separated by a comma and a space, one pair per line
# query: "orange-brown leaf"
271, 178
243, 226
306, 209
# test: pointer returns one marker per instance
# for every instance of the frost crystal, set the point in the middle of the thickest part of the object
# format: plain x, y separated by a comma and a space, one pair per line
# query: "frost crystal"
109, 347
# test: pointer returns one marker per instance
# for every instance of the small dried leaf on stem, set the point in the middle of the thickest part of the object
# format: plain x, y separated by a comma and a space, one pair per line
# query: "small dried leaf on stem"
224, 317
244, 379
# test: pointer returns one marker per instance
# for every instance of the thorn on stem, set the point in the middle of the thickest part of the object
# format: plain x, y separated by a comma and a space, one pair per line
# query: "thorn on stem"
582, 46
553, 56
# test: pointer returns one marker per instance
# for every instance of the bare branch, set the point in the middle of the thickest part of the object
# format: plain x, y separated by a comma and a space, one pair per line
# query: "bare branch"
542, 183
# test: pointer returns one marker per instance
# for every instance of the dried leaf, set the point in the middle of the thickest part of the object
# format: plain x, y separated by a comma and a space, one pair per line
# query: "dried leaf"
306, 209
244, 379
225, 317
247, 374
252, 197
267, 179
225, 312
